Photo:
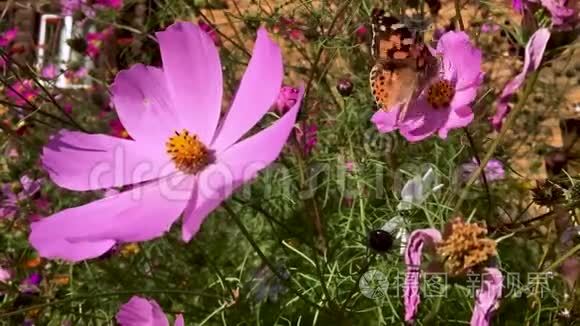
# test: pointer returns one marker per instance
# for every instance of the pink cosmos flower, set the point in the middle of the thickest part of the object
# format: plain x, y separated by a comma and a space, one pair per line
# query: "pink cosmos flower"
9, 199
22, 91
50, 71
179, 161
487, 297
413, 252
494, 169
95, 42
287, 98
532, 59
142, 312
561, 11
445, 103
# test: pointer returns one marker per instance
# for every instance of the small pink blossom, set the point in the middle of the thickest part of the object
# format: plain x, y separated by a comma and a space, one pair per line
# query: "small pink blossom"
494, 170
8, 37
289, 28
142, 312
361, 33
307, 137
287, 98
5, 275
95, 41
22, 91
50, 71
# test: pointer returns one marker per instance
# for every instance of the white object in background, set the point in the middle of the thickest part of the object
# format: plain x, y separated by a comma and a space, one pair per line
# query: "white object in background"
65, 53
417, 190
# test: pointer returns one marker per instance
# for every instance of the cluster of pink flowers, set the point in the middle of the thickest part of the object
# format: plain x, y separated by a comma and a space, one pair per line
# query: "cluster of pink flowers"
22, 92
95, 41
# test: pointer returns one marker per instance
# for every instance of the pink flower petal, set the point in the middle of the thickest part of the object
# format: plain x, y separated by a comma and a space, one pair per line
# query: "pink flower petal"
460, 56
258, 90
141, 312
413, 253
386, 121
194, 77
80, 161
458, 118
179, 321
143, 213
235, 166
487, 297
532, 59
143, 105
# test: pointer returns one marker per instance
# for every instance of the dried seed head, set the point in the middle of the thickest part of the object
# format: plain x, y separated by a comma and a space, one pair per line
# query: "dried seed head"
465, 247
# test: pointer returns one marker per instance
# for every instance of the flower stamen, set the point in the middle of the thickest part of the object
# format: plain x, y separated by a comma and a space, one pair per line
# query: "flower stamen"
440, 94
187, 152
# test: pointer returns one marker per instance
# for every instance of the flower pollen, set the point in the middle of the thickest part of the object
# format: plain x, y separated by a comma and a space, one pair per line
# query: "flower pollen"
188, 153
465, 247
440, 94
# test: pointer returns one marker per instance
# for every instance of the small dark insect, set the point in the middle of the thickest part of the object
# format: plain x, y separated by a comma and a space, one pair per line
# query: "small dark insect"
381, 240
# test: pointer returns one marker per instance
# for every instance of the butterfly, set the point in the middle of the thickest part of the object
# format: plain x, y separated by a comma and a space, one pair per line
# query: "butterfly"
403, 63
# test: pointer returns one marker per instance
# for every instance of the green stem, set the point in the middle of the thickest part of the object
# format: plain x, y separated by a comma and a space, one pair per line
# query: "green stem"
103, 295
510, 120
273, 269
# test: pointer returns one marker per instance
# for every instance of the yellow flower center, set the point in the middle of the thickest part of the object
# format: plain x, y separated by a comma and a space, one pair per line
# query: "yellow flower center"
187, 152
440, 94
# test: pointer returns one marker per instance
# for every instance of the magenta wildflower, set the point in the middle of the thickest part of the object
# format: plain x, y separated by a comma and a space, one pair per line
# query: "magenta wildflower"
413, 253
76, 75
5, 275
10, 199
307, 137
518, 5
50, 71
8, 37
561, 11
177, 161
494, 169
361, 33
30, 283
113, 4
466, 242
487, 297
211, 31
289, 28
142, 312
489, 28
95, 41
445, 103
533, 57
287, 98
22, 91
